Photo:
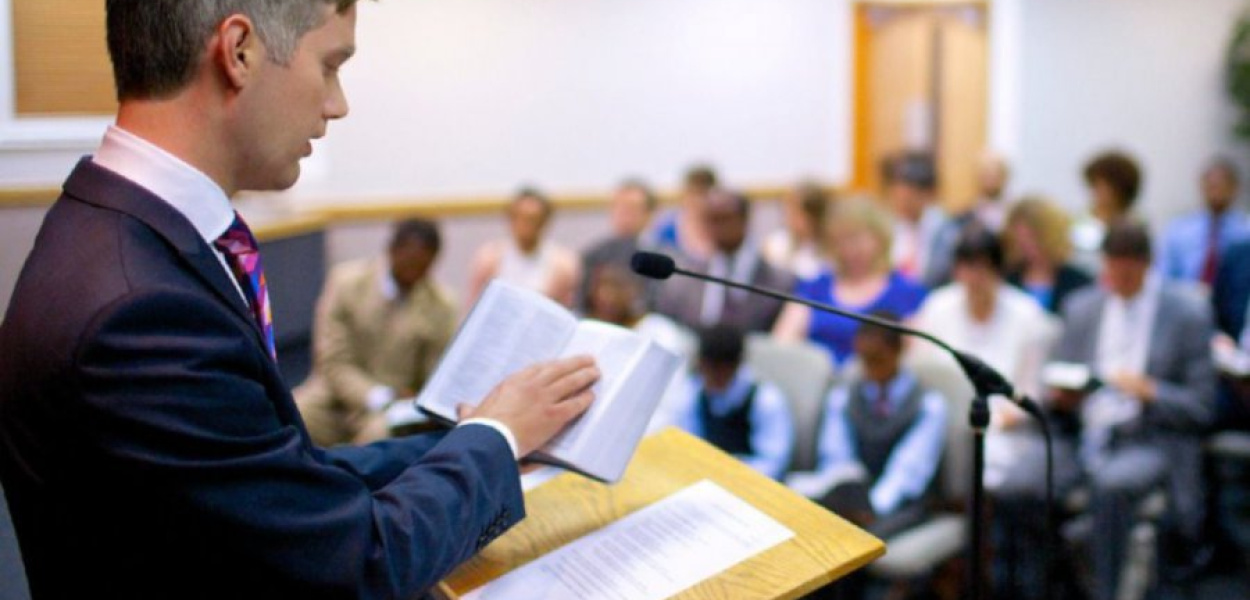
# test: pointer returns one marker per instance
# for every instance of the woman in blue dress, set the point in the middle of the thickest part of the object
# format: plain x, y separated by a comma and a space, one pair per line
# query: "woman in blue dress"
860, 279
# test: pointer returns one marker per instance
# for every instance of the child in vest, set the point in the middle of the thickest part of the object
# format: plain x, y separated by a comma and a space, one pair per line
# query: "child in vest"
723, 403
881, 440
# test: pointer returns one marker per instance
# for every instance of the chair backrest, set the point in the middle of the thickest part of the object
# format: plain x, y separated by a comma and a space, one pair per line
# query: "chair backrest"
13, 584
803, 372
941, 374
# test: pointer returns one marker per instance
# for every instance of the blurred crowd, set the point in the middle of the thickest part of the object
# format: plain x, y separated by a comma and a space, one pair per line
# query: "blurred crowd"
1132, 336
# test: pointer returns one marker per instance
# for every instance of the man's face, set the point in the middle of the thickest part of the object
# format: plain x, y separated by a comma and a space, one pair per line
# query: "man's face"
527, 217
289, 105
726, 225
978, 275
992, 178
1124, 276
880, 360
612, 298
1218, 189
907, 201
410, 261
629, 213
717, 375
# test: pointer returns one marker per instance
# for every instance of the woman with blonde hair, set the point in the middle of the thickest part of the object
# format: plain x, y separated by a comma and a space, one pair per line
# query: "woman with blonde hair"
1038, 241
858, 236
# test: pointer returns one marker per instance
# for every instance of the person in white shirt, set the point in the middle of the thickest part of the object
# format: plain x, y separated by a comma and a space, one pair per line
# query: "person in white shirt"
924, 235
527, 258
799, 246
725, 404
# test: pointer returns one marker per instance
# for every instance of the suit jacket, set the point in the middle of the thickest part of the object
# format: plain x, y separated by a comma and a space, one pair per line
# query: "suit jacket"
1230, 292
682, 298
152, 450
364, 339
1180, 363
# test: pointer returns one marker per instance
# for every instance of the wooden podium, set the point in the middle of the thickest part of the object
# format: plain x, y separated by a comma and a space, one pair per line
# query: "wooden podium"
824, 549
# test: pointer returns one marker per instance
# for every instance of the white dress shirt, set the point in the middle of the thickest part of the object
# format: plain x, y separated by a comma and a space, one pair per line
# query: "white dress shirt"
1124, 335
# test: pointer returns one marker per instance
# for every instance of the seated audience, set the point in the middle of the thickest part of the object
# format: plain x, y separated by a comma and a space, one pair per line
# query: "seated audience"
1038, 243
1146, 341
858, 237
924, 234
697, 304
630, 212
1193, 244
990, 208
880, 441
684, 229
798, 247
381, 327
726, 405
1114, 180
526, 258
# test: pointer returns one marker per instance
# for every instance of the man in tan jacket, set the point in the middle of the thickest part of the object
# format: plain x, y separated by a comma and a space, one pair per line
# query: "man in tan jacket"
381, 327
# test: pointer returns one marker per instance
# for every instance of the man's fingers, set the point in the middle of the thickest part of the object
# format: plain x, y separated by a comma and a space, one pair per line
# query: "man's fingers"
576, 404
575, 381
555, 370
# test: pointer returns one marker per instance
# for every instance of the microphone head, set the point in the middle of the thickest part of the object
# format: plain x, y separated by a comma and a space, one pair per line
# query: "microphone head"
652, 265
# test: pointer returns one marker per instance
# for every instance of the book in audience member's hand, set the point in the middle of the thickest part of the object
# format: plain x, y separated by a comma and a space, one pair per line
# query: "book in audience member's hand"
511, 328
1229, 358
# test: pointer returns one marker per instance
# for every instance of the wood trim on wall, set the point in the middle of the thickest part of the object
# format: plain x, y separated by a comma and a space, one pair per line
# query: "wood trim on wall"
380, 210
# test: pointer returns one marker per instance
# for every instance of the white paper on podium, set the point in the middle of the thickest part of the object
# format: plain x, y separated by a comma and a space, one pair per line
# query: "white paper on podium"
651, 554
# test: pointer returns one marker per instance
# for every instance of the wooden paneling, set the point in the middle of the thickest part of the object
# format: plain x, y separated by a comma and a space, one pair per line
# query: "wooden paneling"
963, 94
922, 84
61, 59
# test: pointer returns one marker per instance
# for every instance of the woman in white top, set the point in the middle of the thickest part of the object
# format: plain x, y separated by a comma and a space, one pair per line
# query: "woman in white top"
526, 259
797, 247
982, 315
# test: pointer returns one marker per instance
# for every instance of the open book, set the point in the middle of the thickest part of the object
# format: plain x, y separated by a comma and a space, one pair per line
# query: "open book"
511, 328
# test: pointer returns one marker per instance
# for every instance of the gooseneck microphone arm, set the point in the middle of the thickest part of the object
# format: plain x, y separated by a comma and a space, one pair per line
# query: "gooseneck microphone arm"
985, 381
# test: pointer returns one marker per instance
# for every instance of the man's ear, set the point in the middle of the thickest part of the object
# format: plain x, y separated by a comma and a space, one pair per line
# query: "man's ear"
237, 49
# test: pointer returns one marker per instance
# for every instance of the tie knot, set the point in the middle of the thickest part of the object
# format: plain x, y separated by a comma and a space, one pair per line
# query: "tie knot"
238, 239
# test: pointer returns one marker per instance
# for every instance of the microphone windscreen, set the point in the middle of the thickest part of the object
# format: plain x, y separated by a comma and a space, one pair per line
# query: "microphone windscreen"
652, 265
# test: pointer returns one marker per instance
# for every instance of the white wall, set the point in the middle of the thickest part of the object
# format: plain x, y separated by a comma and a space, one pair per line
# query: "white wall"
1141, 75
477, 96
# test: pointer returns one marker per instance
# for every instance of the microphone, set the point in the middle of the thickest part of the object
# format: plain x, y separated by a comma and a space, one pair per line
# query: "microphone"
985, 380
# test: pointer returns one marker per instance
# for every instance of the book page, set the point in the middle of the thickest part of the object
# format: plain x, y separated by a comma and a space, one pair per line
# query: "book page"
509, 328
615, 349
621, 421
653, 553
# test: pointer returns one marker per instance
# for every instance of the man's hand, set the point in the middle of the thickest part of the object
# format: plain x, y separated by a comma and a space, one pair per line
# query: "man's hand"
536, 403
1135, 385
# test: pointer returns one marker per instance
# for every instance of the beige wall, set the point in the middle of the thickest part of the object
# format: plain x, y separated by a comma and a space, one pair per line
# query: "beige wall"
355, 239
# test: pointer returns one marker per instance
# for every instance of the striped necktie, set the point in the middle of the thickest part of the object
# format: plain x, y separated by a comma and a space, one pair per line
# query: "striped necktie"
243, 255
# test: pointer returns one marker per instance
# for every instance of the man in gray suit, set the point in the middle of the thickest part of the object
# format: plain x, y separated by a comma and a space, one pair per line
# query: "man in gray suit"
1148, 342
699, 304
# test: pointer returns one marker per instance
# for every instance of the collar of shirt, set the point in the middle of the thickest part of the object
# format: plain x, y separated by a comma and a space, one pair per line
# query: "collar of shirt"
736, 266
386, 282
897, 388
185, 188
734, 396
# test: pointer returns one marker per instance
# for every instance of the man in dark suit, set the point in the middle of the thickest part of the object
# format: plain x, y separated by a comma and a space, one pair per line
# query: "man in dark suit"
150, 448
697, 304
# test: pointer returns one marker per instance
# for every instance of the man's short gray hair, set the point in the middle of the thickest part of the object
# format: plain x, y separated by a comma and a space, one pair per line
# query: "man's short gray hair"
156, 45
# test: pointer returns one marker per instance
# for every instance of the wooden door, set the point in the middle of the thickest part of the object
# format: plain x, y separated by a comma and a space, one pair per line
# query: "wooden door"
921, 84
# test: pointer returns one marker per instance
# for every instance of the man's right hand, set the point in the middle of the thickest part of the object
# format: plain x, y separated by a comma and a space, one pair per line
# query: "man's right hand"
537, 402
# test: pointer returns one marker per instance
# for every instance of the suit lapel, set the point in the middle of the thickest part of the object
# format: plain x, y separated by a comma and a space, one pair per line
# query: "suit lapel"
95, 185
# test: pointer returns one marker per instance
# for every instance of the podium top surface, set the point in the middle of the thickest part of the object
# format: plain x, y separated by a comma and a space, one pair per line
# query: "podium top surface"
824, 549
